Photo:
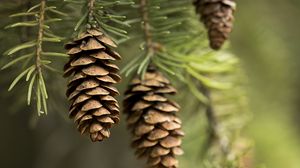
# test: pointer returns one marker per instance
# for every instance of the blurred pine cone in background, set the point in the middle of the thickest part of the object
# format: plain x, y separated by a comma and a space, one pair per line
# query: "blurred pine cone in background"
217, 16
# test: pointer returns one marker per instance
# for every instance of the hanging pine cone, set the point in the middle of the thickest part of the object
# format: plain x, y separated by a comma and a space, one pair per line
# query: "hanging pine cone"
152, 119
90, 89
217, 15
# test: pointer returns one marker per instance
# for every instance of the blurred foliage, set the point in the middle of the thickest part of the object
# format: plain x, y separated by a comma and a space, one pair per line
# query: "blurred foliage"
267, 41
266, 38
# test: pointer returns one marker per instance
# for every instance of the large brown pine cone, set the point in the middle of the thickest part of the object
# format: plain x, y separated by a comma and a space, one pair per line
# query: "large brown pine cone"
152, 120
217, 15
90, 89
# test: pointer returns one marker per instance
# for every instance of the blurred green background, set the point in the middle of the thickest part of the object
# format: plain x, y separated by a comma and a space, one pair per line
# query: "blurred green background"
266, 38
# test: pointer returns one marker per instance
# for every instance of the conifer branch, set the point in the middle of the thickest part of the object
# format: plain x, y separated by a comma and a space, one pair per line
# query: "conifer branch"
32, 51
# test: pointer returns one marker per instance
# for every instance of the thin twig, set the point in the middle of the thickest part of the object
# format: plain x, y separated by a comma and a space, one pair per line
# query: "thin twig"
210, 114
39, 48
146, 25
214, 125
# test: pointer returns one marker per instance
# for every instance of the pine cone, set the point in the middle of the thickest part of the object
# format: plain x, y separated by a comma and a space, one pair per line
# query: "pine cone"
152, 119
90, 89
217, 15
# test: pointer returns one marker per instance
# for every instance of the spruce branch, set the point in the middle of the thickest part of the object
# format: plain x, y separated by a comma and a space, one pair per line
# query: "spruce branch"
33, 54
40, 81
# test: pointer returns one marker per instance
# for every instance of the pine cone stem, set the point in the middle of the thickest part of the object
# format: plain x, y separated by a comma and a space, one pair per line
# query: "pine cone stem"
91, 6
146, 25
